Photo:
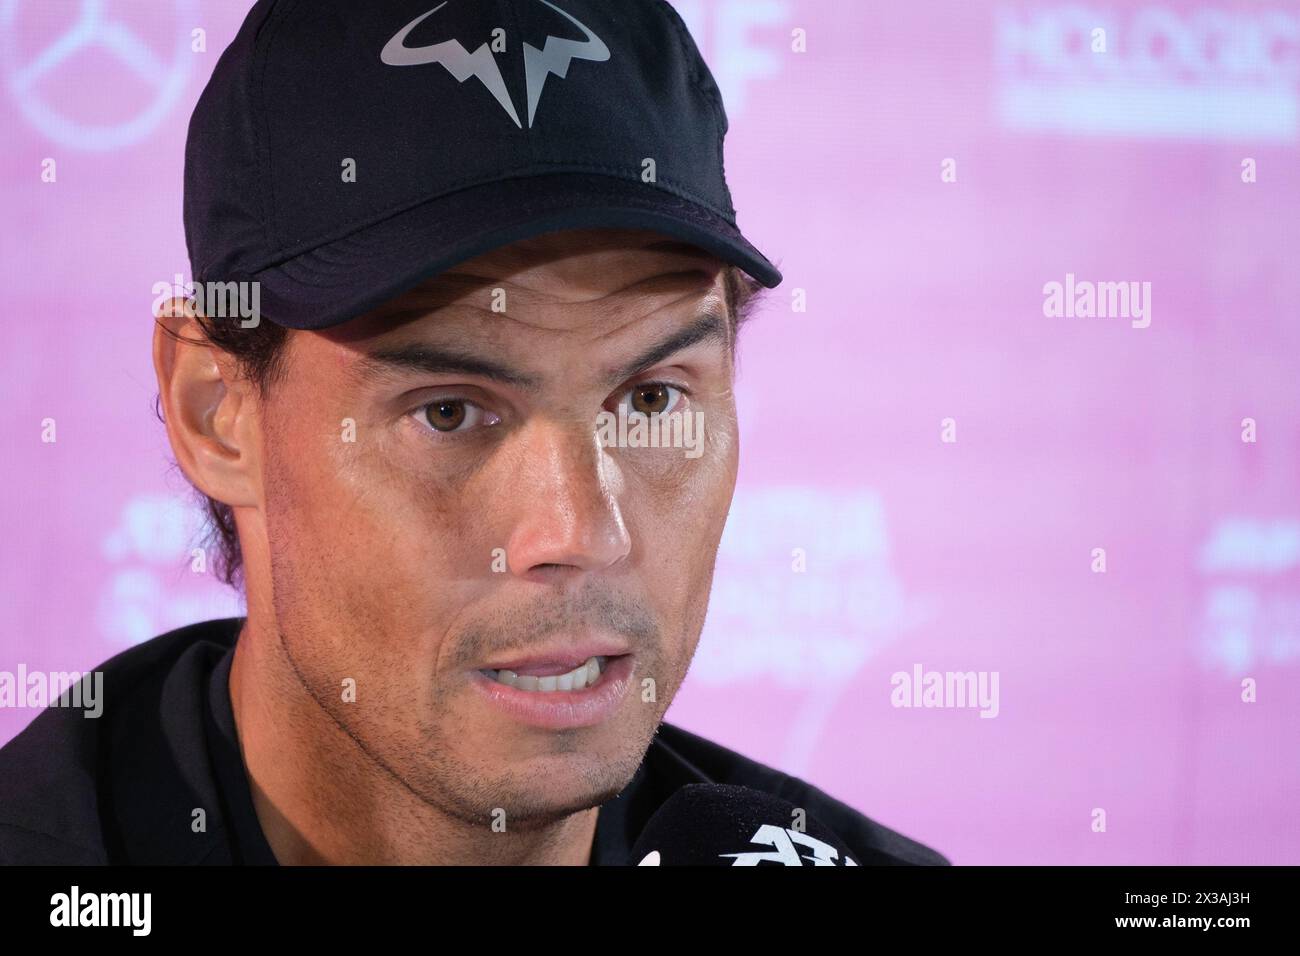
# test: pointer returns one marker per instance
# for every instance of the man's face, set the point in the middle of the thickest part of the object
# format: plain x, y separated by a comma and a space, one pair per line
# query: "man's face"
438, 500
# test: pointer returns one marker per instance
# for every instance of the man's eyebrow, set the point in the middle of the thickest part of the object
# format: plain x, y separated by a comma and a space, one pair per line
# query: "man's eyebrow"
417, 357
708, 326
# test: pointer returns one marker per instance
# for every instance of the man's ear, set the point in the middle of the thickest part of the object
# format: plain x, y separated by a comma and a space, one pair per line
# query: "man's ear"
211, 418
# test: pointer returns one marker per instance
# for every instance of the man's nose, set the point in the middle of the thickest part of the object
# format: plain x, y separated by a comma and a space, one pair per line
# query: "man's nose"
566, 511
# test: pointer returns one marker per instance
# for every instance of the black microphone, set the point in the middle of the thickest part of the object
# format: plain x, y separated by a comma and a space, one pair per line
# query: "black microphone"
713, 824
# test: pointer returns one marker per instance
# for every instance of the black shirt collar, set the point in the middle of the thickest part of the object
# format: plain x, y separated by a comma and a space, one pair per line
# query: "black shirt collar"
247, 841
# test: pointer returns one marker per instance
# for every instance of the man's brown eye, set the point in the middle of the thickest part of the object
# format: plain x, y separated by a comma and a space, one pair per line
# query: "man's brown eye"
650, 399
445, 416
458, 415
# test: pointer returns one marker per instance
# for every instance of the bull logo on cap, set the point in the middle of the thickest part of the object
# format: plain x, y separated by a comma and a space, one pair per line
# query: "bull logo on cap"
554, 57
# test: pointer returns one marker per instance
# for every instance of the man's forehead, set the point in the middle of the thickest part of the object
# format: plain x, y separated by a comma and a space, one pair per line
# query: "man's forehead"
557, 282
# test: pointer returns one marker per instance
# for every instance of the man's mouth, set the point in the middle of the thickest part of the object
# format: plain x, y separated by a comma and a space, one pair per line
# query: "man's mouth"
556, 691
543, 679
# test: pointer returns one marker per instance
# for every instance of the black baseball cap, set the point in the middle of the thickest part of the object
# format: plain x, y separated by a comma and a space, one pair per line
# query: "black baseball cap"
343, 152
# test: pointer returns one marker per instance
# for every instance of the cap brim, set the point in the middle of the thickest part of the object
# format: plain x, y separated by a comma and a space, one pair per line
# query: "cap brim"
346, 278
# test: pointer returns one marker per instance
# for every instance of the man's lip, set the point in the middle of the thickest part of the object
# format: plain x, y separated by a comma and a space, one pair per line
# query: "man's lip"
561, 709
569, 656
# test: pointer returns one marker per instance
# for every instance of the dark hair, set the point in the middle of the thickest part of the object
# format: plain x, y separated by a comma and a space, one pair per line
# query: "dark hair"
258, 355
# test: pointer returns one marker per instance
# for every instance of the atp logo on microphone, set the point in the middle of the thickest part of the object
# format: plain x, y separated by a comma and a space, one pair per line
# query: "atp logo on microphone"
781, 844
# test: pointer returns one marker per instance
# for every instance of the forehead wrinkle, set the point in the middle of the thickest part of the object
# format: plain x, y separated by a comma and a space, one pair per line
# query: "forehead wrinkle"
708, 325
688, 281
464, 288
646, 309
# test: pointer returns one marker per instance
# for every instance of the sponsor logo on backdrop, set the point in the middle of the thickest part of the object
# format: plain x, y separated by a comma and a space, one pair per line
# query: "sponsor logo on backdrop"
1149, 70
47, 77
1250, 605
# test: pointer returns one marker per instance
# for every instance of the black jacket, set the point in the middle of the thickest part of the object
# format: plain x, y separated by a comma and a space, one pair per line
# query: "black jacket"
126, 787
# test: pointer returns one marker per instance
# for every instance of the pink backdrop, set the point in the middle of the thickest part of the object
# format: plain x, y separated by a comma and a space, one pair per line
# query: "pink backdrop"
922, 300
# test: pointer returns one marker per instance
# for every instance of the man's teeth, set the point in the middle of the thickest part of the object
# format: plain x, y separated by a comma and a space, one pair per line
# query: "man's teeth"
576, 679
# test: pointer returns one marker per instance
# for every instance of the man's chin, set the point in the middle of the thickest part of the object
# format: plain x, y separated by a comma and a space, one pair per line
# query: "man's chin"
539, 790
538, 813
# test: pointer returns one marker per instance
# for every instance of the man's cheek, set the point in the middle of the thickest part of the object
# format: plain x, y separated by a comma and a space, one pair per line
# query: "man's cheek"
432, 537
679, 483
